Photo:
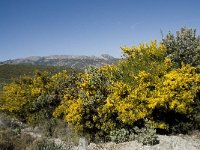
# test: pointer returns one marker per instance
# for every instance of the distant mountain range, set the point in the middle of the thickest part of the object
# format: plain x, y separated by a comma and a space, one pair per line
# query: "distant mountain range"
68, 61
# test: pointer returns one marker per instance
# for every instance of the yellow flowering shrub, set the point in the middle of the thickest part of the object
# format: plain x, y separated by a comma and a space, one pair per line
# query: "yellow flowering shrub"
115, 96
152, 50
39, 84
68, 92
74, 113
14, 97
145, 57
178, 90
131, 104
112, 72
81, 109
110, 109
149, 87
143, 85
31, 98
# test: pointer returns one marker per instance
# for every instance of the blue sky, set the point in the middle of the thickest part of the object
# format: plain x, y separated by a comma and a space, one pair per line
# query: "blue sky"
88, 27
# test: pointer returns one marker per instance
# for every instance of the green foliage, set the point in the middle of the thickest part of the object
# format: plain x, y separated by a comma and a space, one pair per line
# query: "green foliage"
9, 72
184, 47
146, 135
182, 127
119, 135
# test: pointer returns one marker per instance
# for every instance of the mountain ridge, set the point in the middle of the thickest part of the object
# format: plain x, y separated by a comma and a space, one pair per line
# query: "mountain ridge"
69, 61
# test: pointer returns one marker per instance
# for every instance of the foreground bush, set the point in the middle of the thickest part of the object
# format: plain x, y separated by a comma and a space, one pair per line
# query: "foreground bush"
184, 47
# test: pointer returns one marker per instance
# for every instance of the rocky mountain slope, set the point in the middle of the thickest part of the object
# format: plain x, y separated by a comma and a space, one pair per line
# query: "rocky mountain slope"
69, 61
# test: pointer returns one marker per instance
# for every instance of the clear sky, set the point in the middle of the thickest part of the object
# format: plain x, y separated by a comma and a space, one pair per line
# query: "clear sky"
88, 27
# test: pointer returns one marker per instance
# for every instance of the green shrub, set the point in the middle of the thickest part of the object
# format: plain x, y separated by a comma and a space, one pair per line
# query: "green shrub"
182, 128
183, 47
146, 135
119, 135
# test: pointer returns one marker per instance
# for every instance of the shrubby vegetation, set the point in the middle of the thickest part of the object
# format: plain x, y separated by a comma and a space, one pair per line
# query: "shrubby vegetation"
155, 87
183, 48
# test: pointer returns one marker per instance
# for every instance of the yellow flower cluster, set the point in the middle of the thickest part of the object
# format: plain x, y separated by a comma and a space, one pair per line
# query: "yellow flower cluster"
179, 89
74, 112
14, 97
144, 49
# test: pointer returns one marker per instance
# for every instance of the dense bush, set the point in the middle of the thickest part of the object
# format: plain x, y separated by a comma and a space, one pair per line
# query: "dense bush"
143, 85
146, 135
33, 99
89, 98
120, 135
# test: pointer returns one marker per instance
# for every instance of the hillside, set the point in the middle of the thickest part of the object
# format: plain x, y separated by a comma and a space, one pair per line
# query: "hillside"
12, 71
15, 68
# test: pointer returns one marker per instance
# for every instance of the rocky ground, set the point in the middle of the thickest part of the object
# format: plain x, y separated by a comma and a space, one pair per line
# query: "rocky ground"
179, 142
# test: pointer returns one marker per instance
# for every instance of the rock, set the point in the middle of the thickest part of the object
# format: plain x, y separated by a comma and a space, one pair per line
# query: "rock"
181, 142
83, 143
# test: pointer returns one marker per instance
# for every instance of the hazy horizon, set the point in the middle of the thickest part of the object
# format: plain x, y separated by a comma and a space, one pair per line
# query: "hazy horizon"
90, 27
